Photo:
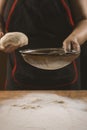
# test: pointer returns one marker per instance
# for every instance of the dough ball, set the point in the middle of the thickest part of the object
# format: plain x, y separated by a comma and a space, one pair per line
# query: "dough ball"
15, 38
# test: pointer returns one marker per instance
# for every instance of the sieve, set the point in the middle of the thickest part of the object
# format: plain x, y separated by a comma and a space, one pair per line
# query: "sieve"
49, 58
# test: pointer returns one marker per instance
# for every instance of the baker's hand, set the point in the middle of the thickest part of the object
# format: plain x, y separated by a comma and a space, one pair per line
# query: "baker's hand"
2, 27
11, 41
1, 34
1, 31
71, 44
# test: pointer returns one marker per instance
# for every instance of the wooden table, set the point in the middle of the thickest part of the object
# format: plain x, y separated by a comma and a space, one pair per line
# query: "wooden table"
15, 94
43, 110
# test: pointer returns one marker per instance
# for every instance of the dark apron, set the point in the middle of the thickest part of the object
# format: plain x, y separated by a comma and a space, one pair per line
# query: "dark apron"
46, 24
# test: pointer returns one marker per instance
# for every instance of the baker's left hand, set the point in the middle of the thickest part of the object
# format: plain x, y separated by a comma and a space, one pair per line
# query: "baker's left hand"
71, 44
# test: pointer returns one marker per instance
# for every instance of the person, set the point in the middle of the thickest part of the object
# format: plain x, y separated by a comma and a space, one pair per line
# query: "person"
48, 24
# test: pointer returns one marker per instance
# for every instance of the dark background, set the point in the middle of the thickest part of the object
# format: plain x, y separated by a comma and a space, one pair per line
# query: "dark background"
3, 61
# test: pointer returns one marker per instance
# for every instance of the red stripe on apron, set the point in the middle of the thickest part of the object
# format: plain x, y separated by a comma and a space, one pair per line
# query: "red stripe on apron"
7, 26
68, 12
10, 13
72, 23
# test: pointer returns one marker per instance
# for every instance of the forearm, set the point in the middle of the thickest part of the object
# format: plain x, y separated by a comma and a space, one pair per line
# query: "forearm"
79, 13
2, 6
80, 31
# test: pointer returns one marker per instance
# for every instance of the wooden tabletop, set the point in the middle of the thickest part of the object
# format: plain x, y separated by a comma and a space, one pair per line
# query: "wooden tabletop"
15, 94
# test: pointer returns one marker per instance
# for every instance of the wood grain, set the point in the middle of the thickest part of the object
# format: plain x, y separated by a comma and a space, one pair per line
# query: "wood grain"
15, 94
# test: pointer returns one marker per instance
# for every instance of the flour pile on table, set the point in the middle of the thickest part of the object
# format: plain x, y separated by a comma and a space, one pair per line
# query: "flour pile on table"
43, 112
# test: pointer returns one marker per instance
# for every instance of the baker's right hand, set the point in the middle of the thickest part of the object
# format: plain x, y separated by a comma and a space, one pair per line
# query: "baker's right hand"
12, 41
1, 34
2, 27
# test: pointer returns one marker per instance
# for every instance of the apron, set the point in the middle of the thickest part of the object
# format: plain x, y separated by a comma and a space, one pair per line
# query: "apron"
46, 24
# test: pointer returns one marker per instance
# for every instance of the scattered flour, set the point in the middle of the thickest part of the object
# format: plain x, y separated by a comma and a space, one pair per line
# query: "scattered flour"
43, 112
